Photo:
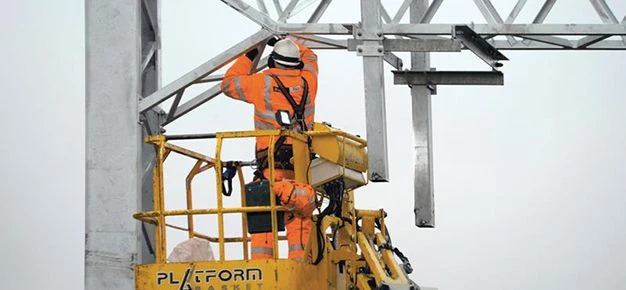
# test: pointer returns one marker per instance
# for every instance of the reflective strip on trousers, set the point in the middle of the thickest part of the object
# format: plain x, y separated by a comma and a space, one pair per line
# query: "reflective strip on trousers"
299, 191
302, 192
267, 93
296, 247
242, 96
261, 251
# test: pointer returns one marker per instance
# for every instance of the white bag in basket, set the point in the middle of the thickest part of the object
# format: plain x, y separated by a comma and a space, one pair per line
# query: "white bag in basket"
192, 250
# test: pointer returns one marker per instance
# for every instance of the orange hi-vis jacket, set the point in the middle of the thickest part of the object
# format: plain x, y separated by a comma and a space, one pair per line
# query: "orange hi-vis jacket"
262, 91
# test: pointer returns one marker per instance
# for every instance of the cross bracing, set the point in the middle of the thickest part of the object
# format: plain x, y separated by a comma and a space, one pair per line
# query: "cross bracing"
378, 35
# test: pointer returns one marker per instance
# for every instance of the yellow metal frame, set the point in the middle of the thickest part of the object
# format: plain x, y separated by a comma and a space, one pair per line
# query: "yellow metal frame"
355, 247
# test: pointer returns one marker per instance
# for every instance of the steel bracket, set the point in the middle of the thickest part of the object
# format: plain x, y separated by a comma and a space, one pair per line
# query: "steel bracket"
370, 49
359, 33
478, 45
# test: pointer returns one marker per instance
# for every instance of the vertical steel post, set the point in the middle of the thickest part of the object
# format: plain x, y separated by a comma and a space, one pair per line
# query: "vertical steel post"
421, 111
152, 119
113, 147
373, 75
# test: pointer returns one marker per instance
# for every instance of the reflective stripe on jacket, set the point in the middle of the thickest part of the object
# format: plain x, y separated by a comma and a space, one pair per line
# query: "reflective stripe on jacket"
261, 90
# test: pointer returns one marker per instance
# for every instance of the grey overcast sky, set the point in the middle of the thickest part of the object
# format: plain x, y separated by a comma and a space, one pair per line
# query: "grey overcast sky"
529, 177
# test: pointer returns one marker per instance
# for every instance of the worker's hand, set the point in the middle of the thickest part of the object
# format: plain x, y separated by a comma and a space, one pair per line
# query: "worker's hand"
252, 54
274, 39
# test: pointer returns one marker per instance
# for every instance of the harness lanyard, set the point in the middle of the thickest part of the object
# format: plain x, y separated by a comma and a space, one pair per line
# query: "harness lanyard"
298, 109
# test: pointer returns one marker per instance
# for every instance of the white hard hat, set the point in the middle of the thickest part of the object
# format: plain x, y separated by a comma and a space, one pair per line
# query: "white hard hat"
286, 53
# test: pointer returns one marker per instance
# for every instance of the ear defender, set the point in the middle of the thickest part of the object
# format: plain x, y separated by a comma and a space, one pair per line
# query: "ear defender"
270, 62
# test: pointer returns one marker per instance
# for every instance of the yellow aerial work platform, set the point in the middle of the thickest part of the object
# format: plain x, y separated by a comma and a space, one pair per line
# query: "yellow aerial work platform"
348, 248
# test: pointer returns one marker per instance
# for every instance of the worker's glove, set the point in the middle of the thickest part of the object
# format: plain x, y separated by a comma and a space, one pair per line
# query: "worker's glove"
251, 55
274, 39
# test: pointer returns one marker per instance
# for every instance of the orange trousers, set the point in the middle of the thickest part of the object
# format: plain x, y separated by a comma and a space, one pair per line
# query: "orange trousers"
298, 230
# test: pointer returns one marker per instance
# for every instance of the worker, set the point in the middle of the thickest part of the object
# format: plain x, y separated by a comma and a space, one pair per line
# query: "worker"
290, 83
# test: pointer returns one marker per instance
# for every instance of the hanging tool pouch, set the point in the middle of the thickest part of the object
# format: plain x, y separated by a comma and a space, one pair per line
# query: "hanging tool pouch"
258, 194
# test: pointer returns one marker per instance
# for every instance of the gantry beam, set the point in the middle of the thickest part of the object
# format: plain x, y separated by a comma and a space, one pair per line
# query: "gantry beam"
553, 43
446, 29
520, 30
500, 29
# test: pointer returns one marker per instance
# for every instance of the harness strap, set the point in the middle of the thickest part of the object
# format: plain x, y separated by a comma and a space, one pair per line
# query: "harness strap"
297, 108
262, 163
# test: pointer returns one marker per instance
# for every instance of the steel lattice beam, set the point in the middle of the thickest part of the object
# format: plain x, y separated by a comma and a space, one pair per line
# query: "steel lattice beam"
537, 32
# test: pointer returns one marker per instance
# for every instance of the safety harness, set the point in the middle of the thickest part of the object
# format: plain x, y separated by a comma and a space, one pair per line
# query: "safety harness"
261, 222
284, 152
298, 109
